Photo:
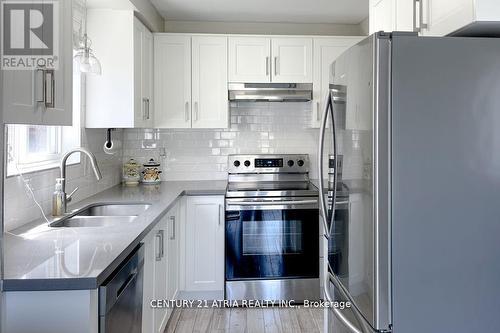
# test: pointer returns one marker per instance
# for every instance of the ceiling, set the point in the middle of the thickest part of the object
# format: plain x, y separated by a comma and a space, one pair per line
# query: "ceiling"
279, 11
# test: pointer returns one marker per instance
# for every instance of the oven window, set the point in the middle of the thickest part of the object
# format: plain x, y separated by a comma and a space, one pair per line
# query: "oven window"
272, 244
272, 237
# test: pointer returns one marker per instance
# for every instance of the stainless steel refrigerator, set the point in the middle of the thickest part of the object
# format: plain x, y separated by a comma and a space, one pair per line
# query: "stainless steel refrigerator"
417, 122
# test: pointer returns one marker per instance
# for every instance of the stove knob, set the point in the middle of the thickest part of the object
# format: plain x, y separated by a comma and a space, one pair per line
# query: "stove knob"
290, 163
247, 163
300, 163
236, 163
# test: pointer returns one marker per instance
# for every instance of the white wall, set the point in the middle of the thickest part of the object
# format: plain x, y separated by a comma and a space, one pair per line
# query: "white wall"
263, 28
143, 8
365, 27
149, 15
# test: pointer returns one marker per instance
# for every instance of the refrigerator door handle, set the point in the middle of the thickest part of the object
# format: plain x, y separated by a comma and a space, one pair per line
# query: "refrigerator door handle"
322, 206
334, 139
336, 311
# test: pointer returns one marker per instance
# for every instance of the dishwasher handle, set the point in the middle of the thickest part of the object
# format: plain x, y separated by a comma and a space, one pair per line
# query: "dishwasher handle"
120, 280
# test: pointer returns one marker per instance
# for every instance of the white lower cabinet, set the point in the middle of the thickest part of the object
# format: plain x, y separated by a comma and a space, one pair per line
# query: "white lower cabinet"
204, 244
160, 272
184, 253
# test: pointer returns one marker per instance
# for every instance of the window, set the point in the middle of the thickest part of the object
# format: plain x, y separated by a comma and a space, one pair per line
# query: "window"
35, 148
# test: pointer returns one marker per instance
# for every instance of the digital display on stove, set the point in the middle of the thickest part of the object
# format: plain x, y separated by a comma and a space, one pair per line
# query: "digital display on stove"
268, 162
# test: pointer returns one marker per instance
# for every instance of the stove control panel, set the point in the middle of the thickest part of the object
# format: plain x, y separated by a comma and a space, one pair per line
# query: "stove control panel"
268, 162
286, 163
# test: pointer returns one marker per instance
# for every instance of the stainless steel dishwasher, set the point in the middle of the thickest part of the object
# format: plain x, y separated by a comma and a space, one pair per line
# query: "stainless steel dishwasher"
120, 297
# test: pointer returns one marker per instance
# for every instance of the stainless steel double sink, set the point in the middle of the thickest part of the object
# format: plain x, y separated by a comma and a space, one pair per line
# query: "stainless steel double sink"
102, 215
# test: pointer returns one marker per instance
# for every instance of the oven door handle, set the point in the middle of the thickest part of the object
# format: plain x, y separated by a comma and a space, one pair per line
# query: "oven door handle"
271, 203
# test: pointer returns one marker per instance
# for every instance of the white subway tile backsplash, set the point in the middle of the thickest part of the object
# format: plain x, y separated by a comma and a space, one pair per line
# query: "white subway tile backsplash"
202, 154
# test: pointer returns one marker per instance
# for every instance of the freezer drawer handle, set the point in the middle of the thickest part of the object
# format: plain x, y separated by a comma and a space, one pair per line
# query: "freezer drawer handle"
336, 311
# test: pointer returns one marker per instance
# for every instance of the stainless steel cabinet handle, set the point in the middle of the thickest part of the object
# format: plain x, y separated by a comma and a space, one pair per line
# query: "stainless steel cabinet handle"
318, 113
275, 65
186, 110
267, 66
220, 214
196, 111
143, 108
147, 109
48, 87
41, 72
418, 21
161, 251
172, 218
336, 311
50, 99
422, 24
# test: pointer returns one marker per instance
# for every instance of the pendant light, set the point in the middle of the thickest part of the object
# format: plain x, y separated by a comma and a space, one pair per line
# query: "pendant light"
85, 60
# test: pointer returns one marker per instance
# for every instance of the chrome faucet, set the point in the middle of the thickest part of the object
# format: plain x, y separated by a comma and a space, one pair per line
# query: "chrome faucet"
60, 198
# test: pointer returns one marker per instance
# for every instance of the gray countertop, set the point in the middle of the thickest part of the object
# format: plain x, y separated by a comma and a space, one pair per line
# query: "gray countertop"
38, 257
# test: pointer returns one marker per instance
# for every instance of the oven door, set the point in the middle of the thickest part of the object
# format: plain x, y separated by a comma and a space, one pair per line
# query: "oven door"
272, 238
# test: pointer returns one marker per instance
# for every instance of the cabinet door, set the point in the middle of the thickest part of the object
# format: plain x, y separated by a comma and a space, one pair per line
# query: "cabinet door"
172, 77
445, 16
23, 90
291, 60
143, 75
161, 268
148, 292
147, 77
205, 243
249, 59
173, 254
62, 111
209, 82
382, 16
326, 51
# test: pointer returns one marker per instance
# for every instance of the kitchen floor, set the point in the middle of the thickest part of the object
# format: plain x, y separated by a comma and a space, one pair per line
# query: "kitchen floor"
243, 320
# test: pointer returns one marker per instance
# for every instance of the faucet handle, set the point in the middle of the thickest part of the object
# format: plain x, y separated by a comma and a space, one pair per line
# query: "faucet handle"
69, 196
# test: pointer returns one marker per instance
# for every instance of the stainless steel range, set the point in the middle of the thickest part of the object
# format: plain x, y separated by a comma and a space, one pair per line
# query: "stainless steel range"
272, 229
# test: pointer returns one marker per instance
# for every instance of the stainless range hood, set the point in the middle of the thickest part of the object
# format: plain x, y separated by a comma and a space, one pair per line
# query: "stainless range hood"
270, 92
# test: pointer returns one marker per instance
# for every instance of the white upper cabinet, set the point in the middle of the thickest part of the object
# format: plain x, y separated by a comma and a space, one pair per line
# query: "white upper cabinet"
249, 59
391, 15
326, 51
442, 17
432, 17
209, 82
143, 74
122, 96
191, 81
172, 81
43, 97
261, 59
292, 59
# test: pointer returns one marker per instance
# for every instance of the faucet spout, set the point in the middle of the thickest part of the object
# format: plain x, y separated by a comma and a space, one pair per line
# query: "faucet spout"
59, 206
90, 155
